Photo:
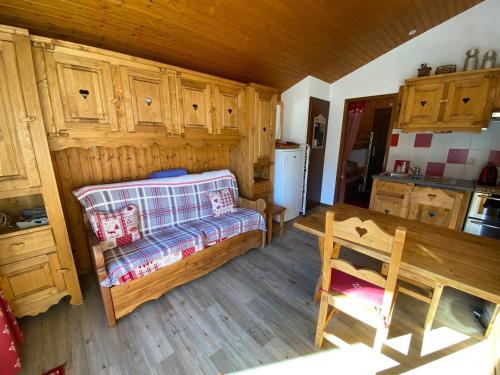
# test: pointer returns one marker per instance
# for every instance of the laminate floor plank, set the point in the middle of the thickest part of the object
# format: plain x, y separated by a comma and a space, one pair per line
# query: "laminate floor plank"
255, 310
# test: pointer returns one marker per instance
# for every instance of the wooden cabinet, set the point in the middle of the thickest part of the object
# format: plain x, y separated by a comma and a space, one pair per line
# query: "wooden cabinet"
229, 109
457, 101
18, 167
36, 264
263, 108
195, 103
81, 91
146, 99
437, 206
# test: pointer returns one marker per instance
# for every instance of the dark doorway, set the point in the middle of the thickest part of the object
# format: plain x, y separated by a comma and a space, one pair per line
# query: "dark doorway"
368, 154
381, 125
316, 138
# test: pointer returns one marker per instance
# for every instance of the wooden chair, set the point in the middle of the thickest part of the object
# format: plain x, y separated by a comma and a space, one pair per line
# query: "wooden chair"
436, 207
362, 293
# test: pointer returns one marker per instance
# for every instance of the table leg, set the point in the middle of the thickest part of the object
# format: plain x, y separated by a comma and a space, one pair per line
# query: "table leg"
493, 320
282, 223
436, 296
269, 228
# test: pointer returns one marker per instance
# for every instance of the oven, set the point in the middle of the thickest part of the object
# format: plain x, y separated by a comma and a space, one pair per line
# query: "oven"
483, 219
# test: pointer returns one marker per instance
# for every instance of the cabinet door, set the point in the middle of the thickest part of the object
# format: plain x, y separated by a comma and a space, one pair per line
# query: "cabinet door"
33, 284
435, 206
81, 92
195, 104
387, 204
228, 115
18, 168
467, 102
421, 104
147, 103
265, 118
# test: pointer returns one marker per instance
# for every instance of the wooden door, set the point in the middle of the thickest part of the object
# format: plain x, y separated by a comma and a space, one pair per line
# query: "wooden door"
32, 283
435, 206
421, 103
381, 126
467, 102
195, 104
228, 104
81, 92
18, 168
146, 100
265, 119
316, 138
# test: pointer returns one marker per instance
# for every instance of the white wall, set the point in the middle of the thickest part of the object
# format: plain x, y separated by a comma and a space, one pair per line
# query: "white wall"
445, 44
296, 107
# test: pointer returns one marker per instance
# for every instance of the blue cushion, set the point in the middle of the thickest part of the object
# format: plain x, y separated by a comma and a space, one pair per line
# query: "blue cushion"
174, 172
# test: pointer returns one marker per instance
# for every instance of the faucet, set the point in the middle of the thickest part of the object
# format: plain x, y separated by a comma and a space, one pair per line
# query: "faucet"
415, 171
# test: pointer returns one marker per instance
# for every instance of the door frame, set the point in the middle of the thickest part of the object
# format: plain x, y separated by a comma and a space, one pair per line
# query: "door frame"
343, 133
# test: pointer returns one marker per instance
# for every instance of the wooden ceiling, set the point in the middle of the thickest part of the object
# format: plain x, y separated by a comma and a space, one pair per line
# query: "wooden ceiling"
273, 42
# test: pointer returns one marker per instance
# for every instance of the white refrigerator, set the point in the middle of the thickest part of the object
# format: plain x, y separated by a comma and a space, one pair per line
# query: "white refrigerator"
290, 180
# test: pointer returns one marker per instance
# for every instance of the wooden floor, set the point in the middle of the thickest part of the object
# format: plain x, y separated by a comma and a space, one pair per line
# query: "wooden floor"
255, 310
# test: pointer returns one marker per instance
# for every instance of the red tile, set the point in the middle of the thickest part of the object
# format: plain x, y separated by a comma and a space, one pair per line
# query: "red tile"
400, 162
494, 157
457, 156
435, 169
423, 140
394, 140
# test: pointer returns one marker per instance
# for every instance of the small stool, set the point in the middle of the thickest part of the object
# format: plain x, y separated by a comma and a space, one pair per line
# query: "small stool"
272, 211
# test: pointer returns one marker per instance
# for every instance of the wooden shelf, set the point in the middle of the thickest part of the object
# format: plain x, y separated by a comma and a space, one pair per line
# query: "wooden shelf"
9, 232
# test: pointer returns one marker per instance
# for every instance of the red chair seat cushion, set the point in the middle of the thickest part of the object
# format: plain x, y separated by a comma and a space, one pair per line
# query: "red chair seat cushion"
356, 288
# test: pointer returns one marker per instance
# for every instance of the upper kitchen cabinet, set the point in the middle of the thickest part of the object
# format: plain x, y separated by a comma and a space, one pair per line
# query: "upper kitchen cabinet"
262, 119
18, 167
228, 109
81, 92
195, 102
146, 99
450, 102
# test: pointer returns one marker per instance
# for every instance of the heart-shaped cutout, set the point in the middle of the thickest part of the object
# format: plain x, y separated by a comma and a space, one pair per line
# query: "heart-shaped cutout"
84, 93
148, 100
361, 231
230, 110
423, 103
195, 106
465, 100
432, 214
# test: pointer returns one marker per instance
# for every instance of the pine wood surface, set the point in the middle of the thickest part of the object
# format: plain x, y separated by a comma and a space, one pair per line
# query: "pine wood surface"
236, 40
456, 259
254, 310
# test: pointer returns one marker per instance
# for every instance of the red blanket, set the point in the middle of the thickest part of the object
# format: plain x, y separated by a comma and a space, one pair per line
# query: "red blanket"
10, 338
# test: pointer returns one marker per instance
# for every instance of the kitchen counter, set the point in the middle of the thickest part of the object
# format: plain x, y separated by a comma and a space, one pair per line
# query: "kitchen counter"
439, 182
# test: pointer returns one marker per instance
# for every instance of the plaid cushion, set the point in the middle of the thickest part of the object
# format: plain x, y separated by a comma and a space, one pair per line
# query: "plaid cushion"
217, 229
163, 202
151, 253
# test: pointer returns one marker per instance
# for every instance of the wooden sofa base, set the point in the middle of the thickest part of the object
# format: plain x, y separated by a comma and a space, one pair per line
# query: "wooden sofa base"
120, 300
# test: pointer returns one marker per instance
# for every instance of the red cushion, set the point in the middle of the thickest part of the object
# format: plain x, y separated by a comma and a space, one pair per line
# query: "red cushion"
357, 288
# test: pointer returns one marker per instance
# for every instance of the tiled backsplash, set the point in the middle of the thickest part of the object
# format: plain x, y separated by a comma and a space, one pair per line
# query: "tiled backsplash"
456, 155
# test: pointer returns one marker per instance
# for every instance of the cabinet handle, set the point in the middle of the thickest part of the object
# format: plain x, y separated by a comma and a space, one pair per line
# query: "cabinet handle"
148, 100
63, 270
443, 101
17, 246
432, 214
431, 196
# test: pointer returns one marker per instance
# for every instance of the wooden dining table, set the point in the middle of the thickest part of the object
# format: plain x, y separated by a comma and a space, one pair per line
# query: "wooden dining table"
453, 259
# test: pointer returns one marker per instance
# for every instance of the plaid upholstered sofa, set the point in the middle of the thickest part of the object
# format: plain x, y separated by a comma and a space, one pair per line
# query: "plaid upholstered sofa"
180, 238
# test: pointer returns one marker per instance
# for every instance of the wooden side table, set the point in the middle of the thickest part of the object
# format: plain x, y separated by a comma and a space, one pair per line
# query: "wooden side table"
273, 210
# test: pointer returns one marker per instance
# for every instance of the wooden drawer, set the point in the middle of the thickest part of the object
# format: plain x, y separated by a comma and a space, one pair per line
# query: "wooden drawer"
261, 187
26, 244
391, 188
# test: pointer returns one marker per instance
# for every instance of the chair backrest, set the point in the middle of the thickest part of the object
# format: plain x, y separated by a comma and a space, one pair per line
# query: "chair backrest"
435, 206
366, 237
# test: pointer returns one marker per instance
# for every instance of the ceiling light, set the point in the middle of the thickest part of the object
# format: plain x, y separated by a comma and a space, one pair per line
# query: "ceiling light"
412, 32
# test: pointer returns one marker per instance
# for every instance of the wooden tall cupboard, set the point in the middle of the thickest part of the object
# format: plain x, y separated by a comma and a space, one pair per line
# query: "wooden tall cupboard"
36, 264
